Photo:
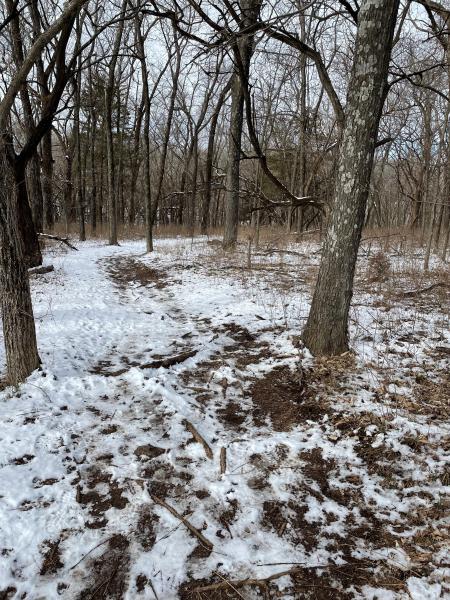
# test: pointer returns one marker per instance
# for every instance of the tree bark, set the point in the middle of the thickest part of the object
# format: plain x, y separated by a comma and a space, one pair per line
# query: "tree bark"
242, 52
109, 95
18, 322
326, 331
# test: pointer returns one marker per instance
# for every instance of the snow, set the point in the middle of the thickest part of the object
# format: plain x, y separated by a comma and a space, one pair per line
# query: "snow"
68, 436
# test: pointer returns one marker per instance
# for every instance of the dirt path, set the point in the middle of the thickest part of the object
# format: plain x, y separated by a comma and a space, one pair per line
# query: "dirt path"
200, 454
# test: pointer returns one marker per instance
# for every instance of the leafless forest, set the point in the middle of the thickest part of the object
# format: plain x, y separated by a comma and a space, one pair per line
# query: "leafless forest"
224, 240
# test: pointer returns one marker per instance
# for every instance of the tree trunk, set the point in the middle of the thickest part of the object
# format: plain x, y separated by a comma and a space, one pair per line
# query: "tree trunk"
326, 331
167, 130
18, 322
47, 180
30, 241
109, 95
145, 106
242, 53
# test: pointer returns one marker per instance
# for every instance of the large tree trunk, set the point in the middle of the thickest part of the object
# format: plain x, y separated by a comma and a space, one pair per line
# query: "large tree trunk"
326, 331
233, 165
30, 241
18, 322
242, 53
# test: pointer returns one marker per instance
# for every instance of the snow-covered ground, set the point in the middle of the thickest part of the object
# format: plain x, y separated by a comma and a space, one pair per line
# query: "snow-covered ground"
333, 471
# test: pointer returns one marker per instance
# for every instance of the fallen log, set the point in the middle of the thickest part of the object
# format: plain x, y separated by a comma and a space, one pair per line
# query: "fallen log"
41, 270
206, 543
56, 238
169, 361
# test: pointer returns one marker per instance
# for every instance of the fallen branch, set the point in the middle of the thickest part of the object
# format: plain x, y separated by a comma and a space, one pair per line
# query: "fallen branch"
239, 583
206, 543
198, 438
56, 238
423, 290
281, 251
168, 362
41, 270
223, 460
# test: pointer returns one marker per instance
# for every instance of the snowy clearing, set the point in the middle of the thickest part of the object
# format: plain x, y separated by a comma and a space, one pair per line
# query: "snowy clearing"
177, 381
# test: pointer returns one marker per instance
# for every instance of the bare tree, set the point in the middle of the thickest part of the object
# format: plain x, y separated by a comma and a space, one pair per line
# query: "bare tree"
326, 330
18, 322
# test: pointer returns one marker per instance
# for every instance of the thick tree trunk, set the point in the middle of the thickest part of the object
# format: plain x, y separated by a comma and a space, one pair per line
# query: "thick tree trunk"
233, 166
30, 242
34, 191
326, 331
18, 322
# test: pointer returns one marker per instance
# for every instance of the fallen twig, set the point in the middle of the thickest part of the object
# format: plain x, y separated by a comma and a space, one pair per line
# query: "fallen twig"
56, 238
239, 583
223, 460
423, 290
206, 543
198, 438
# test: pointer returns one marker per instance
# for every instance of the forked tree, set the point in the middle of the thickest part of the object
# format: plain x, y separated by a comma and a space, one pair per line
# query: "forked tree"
18, 322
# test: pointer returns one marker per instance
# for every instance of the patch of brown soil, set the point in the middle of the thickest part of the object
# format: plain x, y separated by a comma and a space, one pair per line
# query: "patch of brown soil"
8, 593
288, 518
98, 503
52, 557
23, 460
433, 397
141, 582
145, 528
126, 270
103, 367
148, 452
281, 397
232, 415
109, 572
317, 468
163, 480
228, 516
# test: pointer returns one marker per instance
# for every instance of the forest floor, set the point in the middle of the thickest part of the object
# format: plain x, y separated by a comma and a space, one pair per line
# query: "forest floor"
179, 443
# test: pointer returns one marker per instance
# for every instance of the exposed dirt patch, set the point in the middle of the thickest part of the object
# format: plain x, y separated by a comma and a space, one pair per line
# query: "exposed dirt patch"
145, 528
8, 593
433, 397
96, 501
52, 557
228, 516
232, 414
278, 397
126, 270
148, 452
317, 468
23, 460
141, 582
109, 572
